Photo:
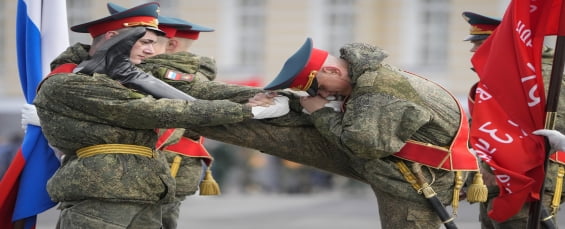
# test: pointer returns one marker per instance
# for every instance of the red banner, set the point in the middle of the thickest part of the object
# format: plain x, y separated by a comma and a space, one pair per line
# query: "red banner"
510, 103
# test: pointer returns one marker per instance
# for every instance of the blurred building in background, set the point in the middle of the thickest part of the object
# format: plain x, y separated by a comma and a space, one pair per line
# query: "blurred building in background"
253, 38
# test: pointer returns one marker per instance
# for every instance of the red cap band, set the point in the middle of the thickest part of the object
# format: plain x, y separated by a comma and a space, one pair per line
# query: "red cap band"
170, 32
480, 29
303, 80
188, 34
103, 27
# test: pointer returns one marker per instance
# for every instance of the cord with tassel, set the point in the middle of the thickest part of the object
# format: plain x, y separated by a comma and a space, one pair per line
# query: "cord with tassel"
457, 191
555, 202
175, 166
209, 186
477, 191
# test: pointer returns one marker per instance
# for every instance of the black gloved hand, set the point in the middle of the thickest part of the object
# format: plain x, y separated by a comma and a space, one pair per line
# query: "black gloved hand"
121, 69
112, 59
135, 78
115, 50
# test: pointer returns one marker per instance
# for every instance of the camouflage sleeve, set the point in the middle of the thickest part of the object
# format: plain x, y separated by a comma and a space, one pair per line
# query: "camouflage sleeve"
301, 144
192, 74
73, 54
374, 125
214, 90
208, 67
99, 99
182, 62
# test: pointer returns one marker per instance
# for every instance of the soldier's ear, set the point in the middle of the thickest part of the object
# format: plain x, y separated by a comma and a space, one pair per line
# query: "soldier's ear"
110, 34
172, 45
331, 70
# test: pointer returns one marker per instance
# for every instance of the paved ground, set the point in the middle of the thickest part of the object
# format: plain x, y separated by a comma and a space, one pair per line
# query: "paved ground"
328, 210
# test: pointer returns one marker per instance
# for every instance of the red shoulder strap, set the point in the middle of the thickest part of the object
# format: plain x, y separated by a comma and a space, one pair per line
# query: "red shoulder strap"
558, 157
457, 157
63, 68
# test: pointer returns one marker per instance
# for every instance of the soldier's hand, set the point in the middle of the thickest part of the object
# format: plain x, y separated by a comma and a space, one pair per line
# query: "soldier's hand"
112, 53
312, 103
117, 57
555, 138
279, 108
29, 116
335, 103
262, 99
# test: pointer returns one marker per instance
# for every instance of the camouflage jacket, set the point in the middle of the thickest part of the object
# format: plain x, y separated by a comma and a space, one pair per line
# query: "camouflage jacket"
387, 107
197, 73
193, 75
79, 110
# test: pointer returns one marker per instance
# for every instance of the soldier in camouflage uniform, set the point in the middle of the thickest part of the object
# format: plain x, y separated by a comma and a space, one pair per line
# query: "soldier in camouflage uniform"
295, 137
481, 28
178, 38
190, 152
97, 191
386, 108
111, 175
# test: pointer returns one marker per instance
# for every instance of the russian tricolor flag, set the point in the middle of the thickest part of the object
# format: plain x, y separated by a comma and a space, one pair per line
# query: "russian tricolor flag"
41, 35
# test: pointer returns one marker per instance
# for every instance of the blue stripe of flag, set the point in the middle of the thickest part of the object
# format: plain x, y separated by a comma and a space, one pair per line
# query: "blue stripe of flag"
40, 161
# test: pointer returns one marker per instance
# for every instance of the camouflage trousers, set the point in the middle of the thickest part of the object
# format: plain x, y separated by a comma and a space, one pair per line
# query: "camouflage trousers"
95, 214
171, 213
399, 213
187, 181
400, 205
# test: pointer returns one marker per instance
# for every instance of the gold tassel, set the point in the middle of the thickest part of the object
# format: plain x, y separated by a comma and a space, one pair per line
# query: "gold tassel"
457, 191
558, 189
477, 191
175, 165
209, 186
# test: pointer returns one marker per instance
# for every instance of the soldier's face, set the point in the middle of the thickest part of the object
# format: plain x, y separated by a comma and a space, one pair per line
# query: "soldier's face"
161, 45
144, 48
333, 84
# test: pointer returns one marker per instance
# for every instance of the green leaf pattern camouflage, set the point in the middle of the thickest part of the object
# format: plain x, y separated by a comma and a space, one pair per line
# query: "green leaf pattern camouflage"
200, 87
79, 110
387, 107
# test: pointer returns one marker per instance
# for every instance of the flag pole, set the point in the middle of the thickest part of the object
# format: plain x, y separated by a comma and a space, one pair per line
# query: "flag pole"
551, 112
